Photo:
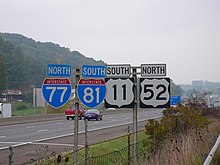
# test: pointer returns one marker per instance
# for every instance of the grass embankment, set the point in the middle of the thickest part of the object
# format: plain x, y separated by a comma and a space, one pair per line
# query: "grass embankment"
183, 136
112, 151
25, 109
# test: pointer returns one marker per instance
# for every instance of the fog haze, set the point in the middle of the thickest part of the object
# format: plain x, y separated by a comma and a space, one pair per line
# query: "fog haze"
183, 34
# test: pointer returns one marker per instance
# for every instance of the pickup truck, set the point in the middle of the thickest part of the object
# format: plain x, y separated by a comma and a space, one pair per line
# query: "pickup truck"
70, 113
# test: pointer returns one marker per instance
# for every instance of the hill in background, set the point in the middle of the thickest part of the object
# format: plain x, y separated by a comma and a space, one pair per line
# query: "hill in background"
23, 61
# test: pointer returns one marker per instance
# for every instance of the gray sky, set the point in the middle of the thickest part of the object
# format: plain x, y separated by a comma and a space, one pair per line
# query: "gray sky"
184, 34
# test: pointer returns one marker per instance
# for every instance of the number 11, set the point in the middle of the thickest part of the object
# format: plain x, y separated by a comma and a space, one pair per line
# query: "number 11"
115, 91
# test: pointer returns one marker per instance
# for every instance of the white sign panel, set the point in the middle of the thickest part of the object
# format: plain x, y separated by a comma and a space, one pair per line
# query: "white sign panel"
154, 92
120, 93
118, 71
153, 70
39, 97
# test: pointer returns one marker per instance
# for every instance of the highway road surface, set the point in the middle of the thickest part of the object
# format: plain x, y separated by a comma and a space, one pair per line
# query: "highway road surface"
59, 133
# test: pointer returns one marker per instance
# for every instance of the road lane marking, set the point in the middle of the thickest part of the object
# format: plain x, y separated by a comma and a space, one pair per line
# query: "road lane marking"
2, 137
113, 119
57, 144
30, 127
16, 145
43, 130
59, 123
10, 142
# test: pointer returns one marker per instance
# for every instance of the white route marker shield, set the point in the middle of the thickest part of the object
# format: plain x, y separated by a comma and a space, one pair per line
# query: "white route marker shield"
155, 92
120, 92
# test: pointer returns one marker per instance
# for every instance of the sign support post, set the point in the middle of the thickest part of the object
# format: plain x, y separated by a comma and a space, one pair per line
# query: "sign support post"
134, 75
76, 121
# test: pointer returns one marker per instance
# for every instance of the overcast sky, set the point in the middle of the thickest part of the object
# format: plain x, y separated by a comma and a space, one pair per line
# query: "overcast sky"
184, 34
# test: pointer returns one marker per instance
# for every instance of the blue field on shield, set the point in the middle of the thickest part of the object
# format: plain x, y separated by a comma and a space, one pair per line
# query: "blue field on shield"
91, 95
56, 95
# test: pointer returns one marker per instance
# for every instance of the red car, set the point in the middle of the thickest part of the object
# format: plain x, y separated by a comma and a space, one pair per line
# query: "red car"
70, 113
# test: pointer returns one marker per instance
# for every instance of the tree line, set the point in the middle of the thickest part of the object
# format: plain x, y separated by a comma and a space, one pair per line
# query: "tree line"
23, 62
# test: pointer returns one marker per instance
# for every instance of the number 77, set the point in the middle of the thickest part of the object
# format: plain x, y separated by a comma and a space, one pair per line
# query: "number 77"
53, 91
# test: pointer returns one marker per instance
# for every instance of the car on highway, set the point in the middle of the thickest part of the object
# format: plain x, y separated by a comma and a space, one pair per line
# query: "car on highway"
93, 114
70, 113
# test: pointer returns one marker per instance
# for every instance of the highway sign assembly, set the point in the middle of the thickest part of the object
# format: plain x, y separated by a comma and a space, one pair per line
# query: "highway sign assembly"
91, 92
154, 92
56, 91
120, 93
59, 70
92, 71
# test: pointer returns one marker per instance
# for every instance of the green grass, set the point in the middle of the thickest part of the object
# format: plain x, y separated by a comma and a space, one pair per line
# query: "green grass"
105, 152
28, 111
25, 109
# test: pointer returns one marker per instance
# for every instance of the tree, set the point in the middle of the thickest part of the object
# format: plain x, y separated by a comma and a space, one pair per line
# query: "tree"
175, 89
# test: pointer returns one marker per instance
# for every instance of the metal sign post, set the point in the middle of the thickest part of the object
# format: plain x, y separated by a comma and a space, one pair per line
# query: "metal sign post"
86, 143
76, 121
134, 75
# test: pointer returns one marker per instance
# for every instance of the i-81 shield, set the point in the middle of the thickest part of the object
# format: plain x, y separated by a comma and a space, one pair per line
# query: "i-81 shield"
154, 92
91, 92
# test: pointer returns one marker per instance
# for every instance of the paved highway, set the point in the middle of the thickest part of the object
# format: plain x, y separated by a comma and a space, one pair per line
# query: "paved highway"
40, 132
16, 135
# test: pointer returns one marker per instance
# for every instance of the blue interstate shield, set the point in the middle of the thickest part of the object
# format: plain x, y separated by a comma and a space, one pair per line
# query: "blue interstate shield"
56, 91
91, 92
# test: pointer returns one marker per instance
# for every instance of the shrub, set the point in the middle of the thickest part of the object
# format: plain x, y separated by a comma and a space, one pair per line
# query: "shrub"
175, 121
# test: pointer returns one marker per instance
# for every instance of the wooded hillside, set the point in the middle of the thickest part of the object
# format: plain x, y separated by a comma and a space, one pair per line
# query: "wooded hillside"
23, 61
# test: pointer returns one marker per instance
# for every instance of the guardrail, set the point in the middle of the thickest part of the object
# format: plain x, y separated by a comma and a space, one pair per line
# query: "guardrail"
212, 152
